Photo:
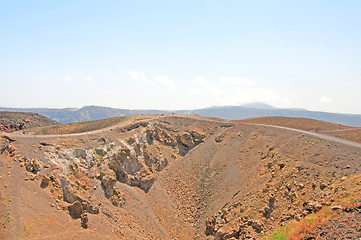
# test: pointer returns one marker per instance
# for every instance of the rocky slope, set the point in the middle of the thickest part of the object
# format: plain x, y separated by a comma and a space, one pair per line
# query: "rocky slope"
174, 177
15, 121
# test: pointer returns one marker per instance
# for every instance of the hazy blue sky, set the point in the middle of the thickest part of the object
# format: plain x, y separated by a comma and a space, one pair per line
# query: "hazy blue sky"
181, 54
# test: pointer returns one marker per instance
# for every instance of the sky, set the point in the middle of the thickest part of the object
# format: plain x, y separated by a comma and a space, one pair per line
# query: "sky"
181, 54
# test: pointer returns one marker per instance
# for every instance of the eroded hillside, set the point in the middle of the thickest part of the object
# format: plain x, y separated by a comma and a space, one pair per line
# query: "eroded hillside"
173, 177
16, 121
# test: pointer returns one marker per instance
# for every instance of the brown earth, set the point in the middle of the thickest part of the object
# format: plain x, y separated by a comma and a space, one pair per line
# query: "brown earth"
337, 130
15, 121
78, 127
176, 177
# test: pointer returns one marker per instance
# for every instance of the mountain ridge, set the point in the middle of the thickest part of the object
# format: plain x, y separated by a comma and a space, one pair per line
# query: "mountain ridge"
89, 113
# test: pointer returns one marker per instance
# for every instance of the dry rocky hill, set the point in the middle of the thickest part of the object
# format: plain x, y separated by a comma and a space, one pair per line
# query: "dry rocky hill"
15, 121
181, 177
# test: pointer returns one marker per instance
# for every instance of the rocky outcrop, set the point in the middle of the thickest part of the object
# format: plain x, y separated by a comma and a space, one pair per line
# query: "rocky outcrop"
108, 179
117, 199
188, 140
75, 209
134, 160
70, 194
33, 165
4, 144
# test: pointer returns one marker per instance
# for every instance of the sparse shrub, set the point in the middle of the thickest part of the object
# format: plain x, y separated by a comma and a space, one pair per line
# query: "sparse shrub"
279, 234
26, 231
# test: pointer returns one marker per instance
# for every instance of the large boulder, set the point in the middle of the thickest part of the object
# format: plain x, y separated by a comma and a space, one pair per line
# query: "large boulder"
75, 210
186, 139
44, 182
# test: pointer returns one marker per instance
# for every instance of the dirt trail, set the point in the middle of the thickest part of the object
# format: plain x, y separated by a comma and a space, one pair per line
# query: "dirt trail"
320, 135
131, 120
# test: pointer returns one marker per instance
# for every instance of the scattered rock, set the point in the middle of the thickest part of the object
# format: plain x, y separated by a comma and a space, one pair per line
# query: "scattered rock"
74, 167
44, 182
220, 138
103, 140
31, 176
33, 165
117, 199
323, 186
312, 206
257, 225
46, 144
84, 220
211, 224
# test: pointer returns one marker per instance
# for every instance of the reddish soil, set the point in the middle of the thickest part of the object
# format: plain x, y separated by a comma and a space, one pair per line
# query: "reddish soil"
177, 177
337, 130
15, 121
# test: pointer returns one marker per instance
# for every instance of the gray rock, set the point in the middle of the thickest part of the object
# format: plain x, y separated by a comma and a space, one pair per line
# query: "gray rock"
75, 210
4, 144
44, 182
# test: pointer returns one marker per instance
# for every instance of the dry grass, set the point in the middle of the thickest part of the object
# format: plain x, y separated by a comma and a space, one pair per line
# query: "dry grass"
297, 230
79, 127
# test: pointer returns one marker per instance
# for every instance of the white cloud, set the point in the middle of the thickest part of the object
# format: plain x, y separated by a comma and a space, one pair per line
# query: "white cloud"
325, 100
201, 80
115, 80
67, 79
195, 91
138, 76
237, 81
89, 79
165, 81
216, 91
239, 96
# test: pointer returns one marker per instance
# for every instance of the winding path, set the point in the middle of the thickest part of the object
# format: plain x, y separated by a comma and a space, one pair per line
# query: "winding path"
154, 117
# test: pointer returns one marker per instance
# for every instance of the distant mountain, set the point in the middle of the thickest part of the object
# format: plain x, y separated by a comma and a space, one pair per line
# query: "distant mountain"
241, 112
258, 105
88, 113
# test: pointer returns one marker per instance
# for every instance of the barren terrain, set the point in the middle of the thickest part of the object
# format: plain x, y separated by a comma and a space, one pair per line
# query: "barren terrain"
15, 121
181, 177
